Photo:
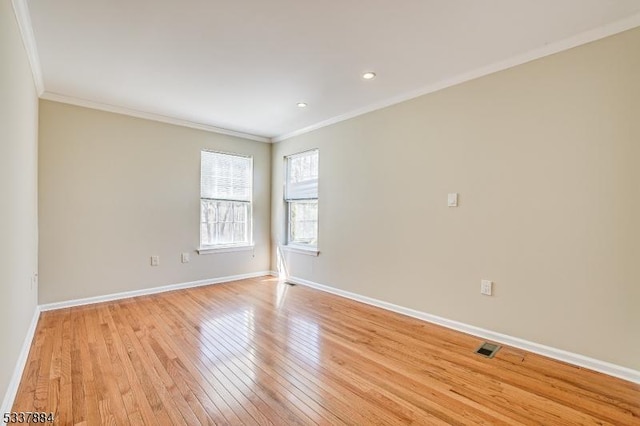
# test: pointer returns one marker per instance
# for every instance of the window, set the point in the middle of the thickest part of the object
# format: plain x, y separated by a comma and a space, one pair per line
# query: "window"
226, 187
301, 196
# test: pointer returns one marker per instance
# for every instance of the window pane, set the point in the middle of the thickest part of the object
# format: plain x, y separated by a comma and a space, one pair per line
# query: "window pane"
303, 222
225, 211
302, 176
238, 232
309, 229
301, 194
226, 188
240, 211
225, 233
223, 222
207, 211
204, 233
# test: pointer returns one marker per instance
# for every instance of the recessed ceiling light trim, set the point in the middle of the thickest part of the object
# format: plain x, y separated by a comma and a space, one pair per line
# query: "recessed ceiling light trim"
369, 75
301, 104
541, 52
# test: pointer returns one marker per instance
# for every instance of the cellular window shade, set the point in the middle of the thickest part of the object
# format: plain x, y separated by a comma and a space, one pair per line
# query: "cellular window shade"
225, 176
302, 176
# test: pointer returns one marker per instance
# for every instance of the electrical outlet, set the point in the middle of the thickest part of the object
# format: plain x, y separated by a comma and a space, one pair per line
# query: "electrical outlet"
185, 258
34, 281
155, 260
452, 199
486, 287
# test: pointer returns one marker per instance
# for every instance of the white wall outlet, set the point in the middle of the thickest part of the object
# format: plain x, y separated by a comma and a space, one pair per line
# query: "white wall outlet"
155, 260
185, 258
452, 199
486, 287
34, 281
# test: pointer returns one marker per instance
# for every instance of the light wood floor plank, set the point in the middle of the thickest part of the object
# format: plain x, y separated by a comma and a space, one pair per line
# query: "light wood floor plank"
112, 407
384, 342
346, 361
158, 338
264, 367
164, 408
133, 395
259, 352
301, 373
236, 379
197, 360
26, 390
299, 348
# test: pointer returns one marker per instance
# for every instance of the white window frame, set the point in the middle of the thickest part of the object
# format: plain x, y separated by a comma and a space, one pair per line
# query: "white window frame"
228, 247
292, 246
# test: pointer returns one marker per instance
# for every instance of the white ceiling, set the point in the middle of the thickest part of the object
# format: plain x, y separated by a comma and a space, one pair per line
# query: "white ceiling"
243, 65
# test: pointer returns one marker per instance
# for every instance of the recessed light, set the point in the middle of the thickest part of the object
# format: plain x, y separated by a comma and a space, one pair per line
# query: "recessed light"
369, 75
302, 105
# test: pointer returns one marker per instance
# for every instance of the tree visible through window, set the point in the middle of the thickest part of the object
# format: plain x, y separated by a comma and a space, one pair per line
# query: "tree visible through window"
301, 195
226, 187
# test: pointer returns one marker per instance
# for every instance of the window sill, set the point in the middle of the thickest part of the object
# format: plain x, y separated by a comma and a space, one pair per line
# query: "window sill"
222, 249
309, 251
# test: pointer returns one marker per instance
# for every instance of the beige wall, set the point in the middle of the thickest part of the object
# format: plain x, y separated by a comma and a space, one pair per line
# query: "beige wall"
115, 190
545, 157
18, 194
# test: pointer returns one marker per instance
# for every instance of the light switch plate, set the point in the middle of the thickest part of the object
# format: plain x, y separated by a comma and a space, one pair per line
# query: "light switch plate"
185, 258
155, 260
452, 199
486, 287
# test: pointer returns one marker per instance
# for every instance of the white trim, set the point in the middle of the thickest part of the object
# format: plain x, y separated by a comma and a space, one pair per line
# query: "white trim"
21, 11
23, 18
301, 250
12, 389
148, 291
148, 116
549, 49
614, 370
229, 249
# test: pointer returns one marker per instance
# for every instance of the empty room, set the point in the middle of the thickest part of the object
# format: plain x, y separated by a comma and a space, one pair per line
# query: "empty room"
342, 212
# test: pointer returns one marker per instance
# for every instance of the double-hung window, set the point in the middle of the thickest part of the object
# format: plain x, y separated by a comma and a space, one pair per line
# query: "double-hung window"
226, 187
301, 197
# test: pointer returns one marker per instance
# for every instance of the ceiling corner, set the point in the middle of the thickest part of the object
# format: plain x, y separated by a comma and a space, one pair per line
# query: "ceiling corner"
21, 11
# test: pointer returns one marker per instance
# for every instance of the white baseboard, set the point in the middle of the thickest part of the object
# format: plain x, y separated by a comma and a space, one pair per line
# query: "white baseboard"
558, 354
561, 355
12, 389
147, 291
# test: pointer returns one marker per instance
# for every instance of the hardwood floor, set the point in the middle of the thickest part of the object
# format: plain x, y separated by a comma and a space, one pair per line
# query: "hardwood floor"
259, 352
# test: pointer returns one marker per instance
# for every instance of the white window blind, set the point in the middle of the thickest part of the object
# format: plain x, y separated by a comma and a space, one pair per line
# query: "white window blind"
225, 177
302, 176
301, 195
225, 200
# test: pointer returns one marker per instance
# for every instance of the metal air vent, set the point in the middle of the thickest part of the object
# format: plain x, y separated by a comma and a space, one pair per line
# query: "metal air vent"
488, 350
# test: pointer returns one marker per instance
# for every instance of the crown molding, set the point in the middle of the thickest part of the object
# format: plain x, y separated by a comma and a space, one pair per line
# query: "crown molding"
21, 11
23, 18
589, 36
148, 116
